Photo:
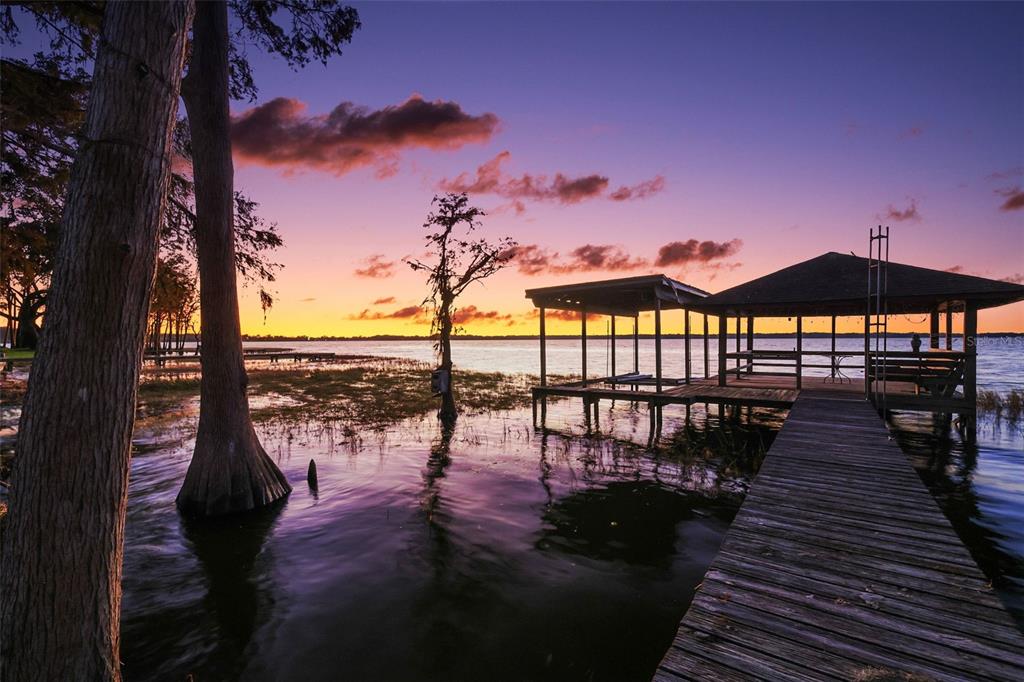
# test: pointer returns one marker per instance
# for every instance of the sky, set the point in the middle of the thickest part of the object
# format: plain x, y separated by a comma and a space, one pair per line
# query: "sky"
712, 142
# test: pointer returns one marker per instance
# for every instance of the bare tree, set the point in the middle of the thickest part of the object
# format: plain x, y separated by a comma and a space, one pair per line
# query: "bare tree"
461, 261
62, 544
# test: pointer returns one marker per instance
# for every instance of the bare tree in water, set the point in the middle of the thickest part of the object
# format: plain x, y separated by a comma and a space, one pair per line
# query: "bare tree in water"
461, 261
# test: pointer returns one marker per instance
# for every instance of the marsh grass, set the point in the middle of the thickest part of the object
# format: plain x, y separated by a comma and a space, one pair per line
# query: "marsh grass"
1009, 405
368, 392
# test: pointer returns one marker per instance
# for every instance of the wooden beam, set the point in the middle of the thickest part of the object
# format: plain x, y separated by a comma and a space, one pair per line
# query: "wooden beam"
583, 334
723, 343
833, 359
750, 343
933, 330
971, 354
613, 346
949, 328
799, 351
686, 337
707, 356
867, 353
738, 318
657, 344
543, 351
636, 343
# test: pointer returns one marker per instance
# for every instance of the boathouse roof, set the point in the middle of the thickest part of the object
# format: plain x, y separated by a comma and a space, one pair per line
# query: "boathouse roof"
625, 296
837, 284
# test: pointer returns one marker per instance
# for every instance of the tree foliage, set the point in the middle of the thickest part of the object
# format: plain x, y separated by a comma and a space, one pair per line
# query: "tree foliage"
457, 261
41, 115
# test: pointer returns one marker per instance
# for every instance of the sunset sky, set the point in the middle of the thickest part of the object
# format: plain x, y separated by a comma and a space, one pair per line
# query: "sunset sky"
596, 134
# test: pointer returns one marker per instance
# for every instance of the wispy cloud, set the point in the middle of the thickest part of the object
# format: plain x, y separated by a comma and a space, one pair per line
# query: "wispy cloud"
384, 301
1014, 198
471, 313
908, 214
376, 267
1007, 174
912, 132
279, 133
410, 312
696, 252
490, 178
532, 259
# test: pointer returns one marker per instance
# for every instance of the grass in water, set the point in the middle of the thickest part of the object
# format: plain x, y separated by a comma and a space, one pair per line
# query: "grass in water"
368, 392
1009, 405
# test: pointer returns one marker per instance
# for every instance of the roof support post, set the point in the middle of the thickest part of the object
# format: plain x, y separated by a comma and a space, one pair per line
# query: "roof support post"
949, 327
832, 358
867, 355
722, 343
686, 336
543, 351
799, 351
636, 343
738, 318
933, 330
613, 349
750, 344
583, 336
707, 356
971, 355
657, 344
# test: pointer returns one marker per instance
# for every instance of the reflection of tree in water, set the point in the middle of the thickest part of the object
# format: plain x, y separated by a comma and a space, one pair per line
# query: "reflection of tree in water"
947, 465
632, 521
454, 589
717, 455
239, 597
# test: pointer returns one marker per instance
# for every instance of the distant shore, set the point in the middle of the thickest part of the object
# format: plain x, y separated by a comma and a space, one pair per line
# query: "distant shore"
527, 337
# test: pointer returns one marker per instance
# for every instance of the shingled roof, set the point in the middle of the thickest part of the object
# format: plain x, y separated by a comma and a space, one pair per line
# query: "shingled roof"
624, 296
837, 284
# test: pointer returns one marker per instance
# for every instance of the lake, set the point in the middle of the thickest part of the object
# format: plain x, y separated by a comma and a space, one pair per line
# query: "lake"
495, 551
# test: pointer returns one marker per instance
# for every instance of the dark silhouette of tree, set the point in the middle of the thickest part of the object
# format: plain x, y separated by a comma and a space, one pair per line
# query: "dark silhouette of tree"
460, 262
62, 543
41, 116
230, 471
173, 305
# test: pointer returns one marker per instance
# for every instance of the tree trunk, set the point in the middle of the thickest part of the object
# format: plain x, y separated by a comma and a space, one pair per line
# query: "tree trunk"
448, 413
230, 472
60, 573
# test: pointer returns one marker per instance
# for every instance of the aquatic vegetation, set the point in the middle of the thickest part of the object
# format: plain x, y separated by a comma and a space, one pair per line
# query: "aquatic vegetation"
369, 392
1009, 405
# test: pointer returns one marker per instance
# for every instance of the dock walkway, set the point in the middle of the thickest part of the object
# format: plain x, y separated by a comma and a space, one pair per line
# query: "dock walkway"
840, 565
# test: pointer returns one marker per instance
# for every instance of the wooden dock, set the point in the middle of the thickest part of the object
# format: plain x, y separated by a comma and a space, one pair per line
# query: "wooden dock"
840, 565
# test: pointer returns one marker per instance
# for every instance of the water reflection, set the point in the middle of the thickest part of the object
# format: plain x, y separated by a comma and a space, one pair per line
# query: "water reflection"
240, 590
978, 484
630, 521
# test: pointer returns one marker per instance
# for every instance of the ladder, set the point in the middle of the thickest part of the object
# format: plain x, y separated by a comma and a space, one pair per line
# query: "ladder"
875, 369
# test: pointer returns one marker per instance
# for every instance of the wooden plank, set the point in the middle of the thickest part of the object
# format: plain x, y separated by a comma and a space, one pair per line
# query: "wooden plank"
840, 564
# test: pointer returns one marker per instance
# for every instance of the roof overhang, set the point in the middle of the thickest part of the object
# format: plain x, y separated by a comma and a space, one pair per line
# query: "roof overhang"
625, 296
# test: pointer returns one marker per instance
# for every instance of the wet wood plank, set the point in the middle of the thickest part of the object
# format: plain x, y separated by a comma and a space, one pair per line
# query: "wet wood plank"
840, 565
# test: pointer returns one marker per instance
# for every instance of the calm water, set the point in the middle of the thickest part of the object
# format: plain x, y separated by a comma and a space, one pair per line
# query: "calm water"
488, 553
495, 552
